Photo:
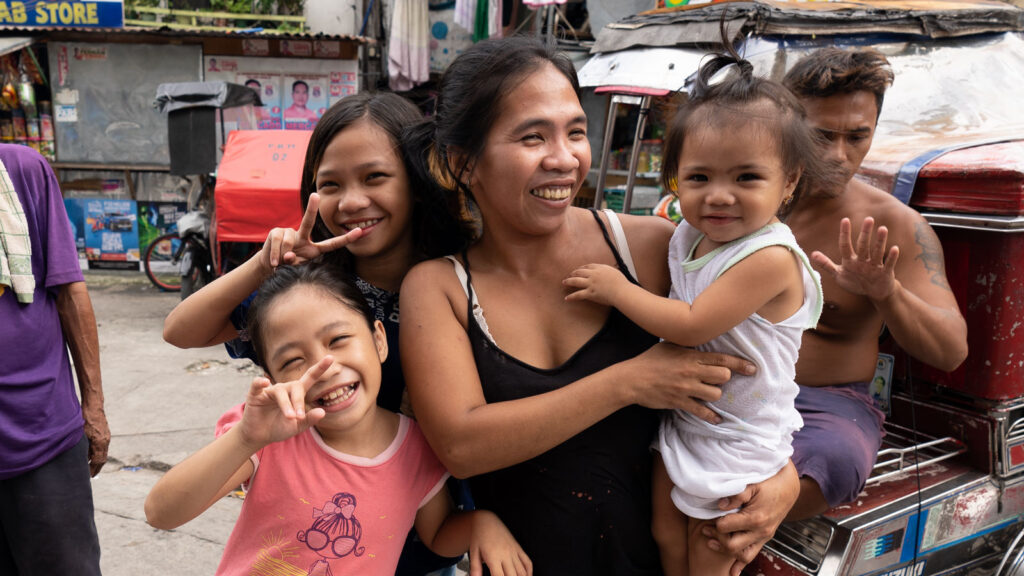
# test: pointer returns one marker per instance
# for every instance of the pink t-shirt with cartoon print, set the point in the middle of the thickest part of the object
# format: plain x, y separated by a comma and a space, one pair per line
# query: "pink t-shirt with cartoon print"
311, 510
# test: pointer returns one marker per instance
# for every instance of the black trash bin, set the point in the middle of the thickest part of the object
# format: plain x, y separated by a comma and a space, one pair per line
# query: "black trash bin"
191, 116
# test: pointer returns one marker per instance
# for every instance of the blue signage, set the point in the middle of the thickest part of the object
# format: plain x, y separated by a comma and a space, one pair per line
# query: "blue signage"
72, 13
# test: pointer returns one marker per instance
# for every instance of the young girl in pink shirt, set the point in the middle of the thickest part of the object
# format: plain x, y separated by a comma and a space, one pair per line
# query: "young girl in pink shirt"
334, 482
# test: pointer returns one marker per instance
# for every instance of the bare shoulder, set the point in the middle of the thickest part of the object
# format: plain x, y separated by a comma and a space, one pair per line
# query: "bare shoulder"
429, 276
886, 209
648, 238
646, 231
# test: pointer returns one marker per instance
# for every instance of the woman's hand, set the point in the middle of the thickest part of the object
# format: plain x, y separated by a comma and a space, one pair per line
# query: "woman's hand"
668, 377
762, 507
275, 412
288, 246
493, 545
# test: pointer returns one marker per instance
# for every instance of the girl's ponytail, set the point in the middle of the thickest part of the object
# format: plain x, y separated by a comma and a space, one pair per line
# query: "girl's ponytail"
740, 85
436, 229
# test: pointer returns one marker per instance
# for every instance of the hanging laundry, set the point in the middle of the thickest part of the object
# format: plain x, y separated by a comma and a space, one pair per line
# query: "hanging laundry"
480, 25
409, 45
480, 17
494, 18
465, 14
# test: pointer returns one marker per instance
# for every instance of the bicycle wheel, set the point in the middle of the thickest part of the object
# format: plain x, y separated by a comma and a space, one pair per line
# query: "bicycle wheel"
162, 264
196, 278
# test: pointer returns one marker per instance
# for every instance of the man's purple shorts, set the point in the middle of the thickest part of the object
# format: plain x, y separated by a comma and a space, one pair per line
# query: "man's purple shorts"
839, 442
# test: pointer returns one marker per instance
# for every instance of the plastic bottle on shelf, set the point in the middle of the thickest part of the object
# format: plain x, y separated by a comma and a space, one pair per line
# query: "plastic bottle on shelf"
26, 93
32, 128
20, 131
46, 146
6, 127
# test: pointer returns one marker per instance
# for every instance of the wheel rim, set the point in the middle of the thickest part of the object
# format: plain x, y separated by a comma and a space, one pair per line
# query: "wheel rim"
1013, 562
161, 267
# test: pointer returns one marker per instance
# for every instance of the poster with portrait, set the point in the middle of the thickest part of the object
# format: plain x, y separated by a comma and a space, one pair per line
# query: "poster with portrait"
268, 116
325, 81
304, 101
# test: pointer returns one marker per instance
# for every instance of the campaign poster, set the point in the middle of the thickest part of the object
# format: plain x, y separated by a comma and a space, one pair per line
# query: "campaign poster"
158, 218
304, 101
111, 233
323, 82
268, 116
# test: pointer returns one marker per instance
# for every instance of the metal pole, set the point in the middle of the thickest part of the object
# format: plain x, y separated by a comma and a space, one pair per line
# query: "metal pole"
645, 106
606, 148
552, 14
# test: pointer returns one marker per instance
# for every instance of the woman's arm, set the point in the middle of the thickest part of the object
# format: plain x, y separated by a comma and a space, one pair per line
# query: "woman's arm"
204, 318
471, 436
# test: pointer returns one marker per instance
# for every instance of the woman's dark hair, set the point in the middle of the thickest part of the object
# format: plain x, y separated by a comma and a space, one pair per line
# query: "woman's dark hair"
334, 282
470, 96
829, 71
743, 97
435, 231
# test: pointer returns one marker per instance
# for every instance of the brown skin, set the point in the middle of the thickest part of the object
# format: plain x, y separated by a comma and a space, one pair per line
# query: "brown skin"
529, 245
78, 322
886, 267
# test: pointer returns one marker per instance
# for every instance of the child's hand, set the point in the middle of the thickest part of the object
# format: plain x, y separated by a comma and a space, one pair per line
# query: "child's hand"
598, 283
275, 412
288, 246
492, 544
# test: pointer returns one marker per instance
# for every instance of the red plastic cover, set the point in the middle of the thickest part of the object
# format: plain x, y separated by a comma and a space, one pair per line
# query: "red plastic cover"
258, 183
979, 180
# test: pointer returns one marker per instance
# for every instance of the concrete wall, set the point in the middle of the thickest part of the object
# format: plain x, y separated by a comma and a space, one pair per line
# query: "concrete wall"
334, 16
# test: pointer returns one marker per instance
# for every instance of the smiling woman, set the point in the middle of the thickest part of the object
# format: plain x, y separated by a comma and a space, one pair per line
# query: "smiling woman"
546, 405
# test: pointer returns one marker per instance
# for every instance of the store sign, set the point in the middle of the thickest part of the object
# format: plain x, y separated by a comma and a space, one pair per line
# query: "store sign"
74, 13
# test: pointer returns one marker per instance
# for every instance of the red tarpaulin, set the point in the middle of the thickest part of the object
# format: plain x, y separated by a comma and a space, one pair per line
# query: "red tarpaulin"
258, 183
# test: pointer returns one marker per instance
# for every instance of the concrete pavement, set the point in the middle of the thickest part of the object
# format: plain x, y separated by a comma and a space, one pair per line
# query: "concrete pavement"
162, 404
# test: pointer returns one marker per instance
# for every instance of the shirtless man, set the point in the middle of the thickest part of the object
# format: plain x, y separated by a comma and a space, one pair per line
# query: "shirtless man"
890, 272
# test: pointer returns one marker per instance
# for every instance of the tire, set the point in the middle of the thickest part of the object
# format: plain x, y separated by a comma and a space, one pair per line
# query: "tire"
196, 279
1013, 561
161, 263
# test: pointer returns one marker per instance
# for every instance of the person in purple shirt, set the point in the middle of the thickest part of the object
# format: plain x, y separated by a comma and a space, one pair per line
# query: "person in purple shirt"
50, 444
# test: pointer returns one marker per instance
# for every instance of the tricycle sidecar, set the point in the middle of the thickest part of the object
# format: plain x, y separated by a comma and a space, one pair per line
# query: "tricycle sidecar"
947, 494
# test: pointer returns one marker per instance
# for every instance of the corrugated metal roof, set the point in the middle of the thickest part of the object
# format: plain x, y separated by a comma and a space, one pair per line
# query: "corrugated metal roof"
700, 24
58, 31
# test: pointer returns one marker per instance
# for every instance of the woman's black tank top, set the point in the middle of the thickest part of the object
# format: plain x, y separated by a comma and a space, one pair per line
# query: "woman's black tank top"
582, 507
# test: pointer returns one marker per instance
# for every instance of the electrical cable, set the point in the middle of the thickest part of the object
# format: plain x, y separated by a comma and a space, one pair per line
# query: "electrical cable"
909, 381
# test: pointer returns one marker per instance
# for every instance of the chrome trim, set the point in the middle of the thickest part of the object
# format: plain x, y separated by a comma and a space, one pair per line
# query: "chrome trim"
976, 222
1016, 430
904, 452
